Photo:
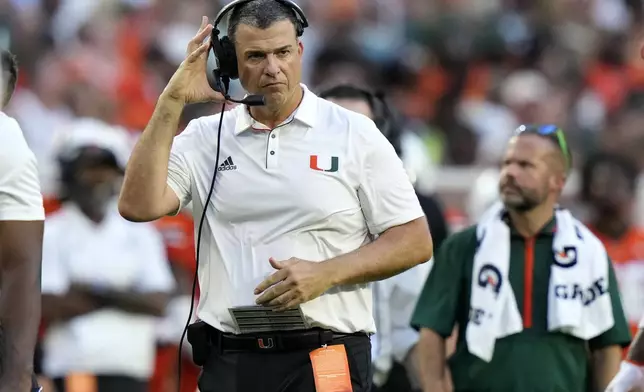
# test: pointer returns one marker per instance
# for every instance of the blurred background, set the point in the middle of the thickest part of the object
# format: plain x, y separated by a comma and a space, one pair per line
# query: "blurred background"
461, 74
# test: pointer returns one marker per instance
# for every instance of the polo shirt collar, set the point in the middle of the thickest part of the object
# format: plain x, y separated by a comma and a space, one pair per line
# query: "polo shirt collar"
306, 113
548, 229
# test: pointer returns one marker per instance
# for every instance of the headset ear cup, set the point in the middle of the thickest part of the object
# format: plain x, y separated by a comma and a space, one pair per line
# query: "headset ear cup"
229, 58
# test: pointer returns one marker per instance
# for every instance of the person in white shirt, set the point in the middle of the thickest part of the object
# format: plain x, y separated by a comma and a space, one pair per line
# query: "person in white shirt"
21, 230
302, 188
630, 377
392, 346
106, 281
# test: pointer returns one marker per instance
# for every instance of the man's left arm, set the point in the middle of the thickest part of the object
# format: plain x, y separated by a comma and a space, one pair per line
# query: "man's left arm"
606, 349
21, 235
393, 213
394, 251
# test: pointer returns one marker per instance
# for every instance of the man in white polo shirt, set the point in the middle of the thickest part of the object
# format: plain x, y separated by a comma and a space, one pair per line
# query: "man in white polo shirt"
393, 350
21, 230
302, 188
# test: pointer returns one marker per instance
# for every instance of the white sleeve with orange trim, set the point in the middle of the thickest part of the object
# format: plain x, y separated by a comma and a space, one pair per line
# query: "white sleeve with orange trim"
641, 324
629, 376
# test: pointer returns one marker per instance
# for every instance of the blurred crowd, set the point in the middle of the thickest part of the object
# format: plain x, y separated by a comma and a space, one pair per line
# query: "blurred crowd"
461, 74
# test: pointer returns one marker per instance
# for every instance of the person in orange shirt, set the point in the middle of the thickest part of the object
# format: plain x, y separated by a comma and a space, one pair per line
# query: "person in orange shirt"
608, 187
178, 235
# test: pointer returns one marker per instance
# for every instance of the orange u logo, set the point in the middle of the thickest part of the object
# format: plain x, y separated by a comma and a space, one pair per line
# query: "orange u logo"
313, 164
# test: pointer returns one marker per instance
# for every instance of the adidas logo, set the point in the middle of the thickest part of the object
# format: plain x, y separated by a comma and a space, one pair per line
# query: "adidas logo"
227, 165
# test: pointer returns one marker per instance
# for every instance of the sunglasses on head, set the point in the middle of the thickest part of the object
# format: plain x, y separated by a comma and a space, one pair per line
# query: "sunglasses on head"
553, 132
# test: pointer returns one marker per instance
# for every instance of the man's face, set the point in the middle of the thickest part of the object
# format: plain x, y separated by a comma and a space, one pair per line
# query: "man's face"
355, 105
609, 189
269, 61
527, 174
95, 186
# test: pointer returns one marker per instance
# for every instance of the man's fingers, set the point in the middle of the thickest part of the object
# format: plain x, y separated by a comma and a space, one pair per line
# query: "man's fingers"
292, 304
274, 278
283, 299
275, 264
198, 39
196, 54
272, 293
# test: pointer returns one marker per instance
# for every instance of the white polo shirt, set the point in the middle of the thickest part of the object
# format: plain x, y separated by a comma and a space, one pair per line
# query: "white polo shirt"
315, 187
20, 196
116, 254
394, 302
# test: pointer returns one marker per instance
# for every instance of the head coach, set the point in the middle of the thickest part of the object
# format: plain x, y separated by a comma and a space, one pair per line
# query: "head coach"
308, 203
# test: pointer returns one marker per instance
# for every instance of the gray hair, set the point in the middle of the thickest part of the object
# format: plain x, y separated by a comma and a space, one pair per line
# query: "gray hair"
260, 14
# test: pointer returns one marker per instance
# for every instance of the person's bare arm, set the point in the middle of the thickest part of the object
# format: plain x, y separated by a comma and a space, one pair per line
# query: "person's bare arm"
20, 263
394, 251
145, 195
605, 364
431, 357
636, 350
57, 308
153, 303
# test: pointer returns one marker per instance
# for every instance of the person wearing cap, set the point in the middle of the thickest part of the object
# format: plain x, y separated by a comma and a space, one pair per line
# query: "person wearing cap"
531, 289
105, 281
393, 344
21, 231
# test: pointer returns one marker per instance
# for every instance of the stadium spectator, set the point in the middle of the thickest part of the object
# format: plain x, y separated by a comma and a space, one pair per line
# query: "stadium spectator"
105, 281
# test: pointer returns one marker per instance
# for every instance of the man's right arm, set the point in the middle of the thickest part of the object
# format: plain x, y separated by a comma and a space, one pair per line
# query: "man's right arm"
145, 195
435, 314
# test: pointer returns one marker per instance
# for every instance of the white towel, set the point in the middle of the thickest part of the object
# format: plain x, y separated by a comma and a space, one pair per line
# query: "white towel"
578, 299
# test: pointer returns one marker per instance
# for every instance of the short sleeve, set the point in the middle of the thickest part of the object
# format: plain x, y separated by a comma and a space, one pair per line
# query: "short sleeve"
438, 302
55, 277
155, 275
20, 195
620, 333
386, 193
180, 177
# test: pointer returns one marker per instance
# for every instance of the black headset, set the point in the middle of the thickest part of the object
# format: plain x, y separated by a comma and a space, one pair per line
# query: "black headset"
219, 80
383, 114
224, 49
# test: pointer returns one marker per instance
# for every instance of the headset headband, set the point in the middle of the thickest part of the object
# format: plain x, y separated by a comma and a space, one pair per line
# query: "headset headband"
228, 7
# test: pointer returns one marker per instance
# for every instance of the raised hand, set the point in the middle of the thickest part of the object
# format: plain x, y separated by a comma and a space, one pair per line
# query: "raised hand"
189, 83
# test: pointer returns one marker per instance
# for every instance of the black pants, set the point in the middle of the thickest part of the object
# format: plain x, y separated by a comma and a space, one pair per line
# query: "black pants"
281, 372
111, 384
